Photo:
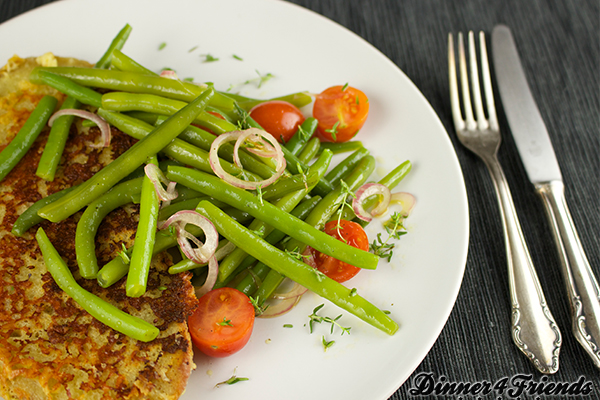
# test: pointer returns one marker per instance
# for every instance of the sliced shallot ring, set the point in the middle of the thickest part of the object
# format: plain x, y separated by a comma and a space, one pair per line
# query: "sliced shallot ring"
295, 291
102, 124
407, 201
215, 164
169, 73
283, 307
225, 251
367, 190
211, 278
203, 252
265, 150
156, 176
255, 136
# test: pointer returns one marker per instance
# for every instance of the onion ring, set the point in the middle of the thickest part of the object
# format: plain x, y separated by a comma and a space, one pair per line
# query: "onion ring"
169, 73
284, 306
240, 137
211, 278
407, 200
296, 291
203, 251
156, 176
365, 191
102, 124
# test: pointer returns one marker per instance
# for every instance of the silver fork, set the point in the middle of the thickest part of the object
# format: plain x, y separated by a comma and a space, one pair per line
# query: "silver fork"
534, 330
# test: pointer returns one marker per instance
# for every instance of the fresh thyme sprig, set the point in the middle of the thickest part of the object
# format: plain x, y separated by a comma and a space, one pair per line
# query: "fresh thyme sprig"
314, 317
209, 58
259, 194
225, 322
303, 173
327, 344
259, 81
232, 380
124, 254
346, 191
296, 254
333, 130
259, 308
394, 228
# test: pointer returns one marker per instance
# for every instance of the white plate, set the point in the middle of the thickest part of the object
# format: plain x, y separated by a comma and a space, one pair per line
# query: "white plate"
304, 51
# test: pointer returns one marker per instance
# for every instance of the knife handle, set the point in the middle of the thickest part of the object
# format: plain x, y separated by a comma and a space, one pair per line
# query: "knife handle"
582, 287
534, 330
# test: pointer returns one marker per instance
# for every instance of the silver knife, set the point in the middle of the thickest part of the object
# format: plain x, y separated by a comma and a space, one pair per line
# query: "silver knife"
539, 160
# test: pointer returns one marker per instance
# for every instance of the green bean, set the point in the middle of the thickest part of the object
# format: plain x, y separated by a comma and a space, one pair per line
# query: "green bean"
233, 260
342, 147
391, 180
30, 217
134, 83
289, 184
115, 45
188, 204
104, 62
286, 203
56, 142
187, 265
112, 272
141, 256
149, 118
85, 234
248, 284
22, 142
299, 99
310, 151
121, 101
117, 268
302, 135
135, 156
123, 62
60, 131
171, 209
65, 85
203, 139
335, 175
335, 199
103, 311
318, 218
271, 215
180, 150
297, 271
251, 281
294, 165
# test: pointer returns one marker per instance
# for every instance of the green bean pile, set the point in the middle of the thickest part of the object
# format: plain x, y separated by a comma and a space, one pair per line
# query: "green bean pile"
259, 229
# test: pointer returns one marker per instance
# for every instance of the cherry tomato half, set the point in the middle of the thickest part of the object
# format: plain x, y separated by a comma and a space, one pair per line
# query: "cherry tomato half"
222, 323
341, 112
349, 232
279, 118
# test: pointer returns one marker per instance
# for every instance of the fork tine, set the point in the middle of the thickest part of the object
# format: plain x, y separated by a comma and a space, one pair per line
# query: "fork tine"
464, 80
481, 122
487, 83
454, 100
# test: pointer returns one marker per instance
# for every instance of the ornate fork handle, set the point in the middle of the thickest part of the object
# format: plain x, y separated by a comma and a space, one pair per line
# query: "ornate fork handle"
582, 287
534, 330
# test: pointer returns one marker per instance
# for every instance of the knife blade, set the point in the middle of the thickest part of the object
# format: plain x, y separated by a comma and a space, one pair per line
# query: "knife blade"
538, 157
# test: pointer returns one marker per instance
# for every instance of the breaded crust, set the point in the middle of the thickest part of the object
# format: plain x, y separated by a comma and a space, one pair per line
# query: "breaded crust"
50, 348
